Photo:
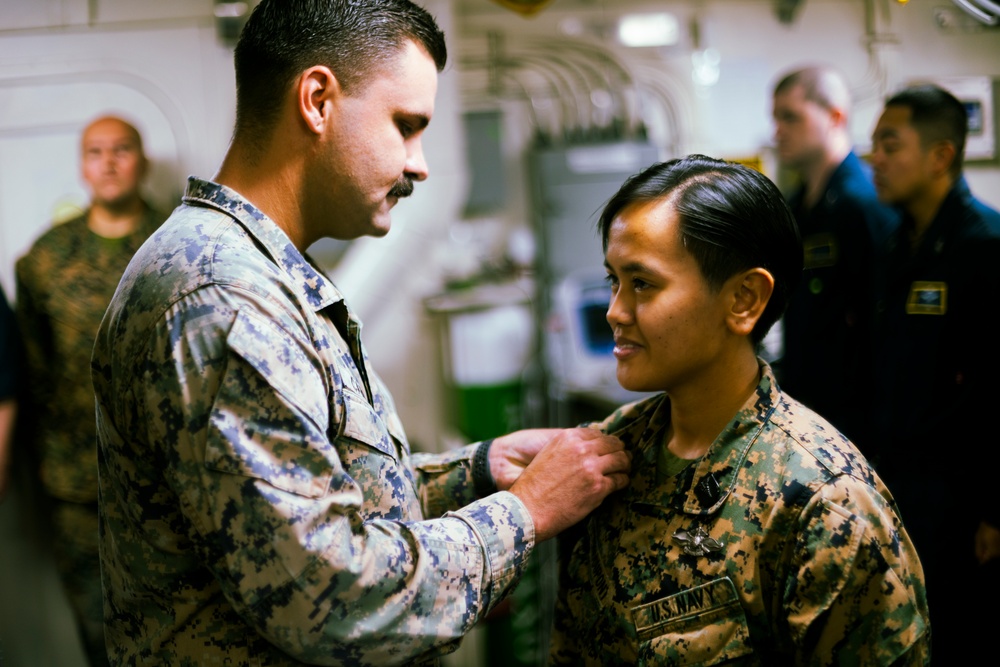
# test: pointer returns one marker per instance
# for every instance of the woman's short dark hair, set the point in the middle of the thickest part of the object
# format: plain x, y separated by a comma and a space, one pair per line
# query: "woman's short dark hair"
732, 218
354, 38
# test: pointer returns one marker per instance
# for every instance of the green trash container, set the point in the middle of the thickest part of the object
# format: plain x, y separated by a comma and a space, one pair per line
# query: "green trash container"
488, 337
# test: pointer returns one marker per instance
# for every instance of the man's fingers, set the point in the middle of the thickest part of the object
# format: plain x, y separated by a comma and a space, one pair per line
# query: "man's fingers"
592, 438
617, 468
619, 479
609, 444
615, 462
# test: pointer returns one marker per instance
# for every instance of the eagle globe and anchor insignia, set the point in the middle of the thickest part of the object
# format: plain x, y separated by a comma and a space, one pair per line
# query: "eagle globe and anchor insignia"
696, 542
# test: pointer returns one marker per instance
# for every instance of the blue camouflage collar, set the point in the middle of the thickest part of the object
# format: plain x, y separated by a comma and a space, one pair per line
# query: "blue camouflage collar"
314, 287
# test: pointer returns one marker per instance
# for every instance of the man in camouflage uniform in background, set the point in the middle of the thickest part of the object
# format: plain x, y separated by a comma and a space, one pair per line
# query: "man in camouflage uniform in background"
260, 504
64, 285
752, 532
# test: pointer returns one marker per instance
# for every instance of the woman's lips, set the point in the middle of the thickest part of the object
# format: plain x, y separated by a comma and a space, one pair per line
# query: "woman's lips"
625, 348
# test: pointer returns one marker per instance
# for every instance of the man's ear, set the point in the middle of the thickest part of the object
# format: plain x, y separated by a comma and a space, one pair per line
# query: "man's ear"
942, 155
751, 292
316, 91
838, 117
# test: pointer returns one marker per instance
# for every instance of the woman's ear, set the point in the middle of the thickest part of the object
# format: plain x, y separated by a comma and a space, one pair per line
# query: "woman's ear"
316, 91
751, 292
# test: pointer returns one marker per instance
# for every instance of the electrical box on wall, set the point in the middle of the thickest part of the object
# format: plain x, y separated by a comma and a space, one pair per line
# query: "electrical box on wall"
484, 152
571, 184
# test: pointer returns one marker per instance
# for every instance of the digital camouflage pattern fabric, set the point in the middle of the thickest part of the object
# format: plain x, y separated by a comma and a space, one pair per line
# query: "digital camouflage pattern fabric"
780, 546
260, 503
64, 284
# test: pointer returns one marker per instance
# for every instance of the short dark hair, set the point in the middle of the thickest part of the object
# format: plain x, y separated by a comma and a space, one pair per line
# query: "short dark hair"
936, 115
283, 38
732, 218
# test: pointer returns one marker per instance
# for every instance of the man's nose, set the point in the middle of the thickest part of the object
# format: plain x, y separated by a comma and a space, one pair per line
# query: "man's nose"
416, 165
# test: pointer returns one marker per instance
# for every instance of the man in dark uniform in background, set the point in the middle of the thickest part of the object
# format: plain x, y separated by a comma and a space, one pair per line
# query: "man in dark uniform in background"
64, 285
826, 329
937, 366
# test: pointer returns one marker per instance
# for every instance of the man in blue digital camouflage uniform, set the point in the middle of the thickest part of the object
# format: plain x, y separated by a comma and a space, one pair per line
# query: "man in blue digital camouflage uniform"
752, 531
938, 363
260, 502
827, 326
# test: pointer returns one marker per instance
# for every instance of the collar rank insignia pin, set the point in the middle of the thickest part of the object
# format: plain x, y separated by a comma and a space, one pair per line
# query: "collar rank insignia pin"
697, 542
707, 490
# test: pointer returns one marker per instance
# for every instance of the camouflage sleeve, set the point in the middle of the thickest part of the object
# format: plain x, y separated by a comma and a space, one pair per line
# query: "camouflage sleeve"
444, 480
237, 407
855, 585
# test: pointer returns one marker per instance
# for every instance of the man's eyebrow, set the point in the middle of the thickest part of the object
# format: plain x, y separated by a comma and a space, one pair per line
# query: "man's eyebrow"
630, 267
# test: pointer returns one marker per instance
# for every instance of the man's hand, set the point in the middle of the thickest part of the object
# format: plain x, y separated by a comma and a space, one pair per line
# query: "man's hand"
987, 543
510, 454
570, 477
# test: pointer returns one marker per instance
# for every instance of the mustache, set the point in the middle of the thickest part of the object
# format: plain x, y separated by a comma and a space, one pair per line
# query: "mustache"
402, 188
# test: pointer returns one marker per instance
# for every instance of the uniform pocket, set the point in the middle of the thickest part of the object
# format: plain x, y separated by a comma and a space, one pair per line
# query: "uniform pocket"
268, 418
704, 625
370, 458
362, 423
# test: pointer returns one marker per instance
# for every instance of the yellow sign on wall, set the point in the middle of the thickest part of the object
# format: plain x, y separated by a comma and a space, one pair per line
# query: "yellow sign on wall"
752, 161
525, 7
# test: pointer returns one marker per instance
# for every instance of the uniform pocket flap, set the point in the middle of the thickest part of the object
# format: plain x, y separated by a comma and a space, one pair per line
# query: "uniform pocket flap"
363, 424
